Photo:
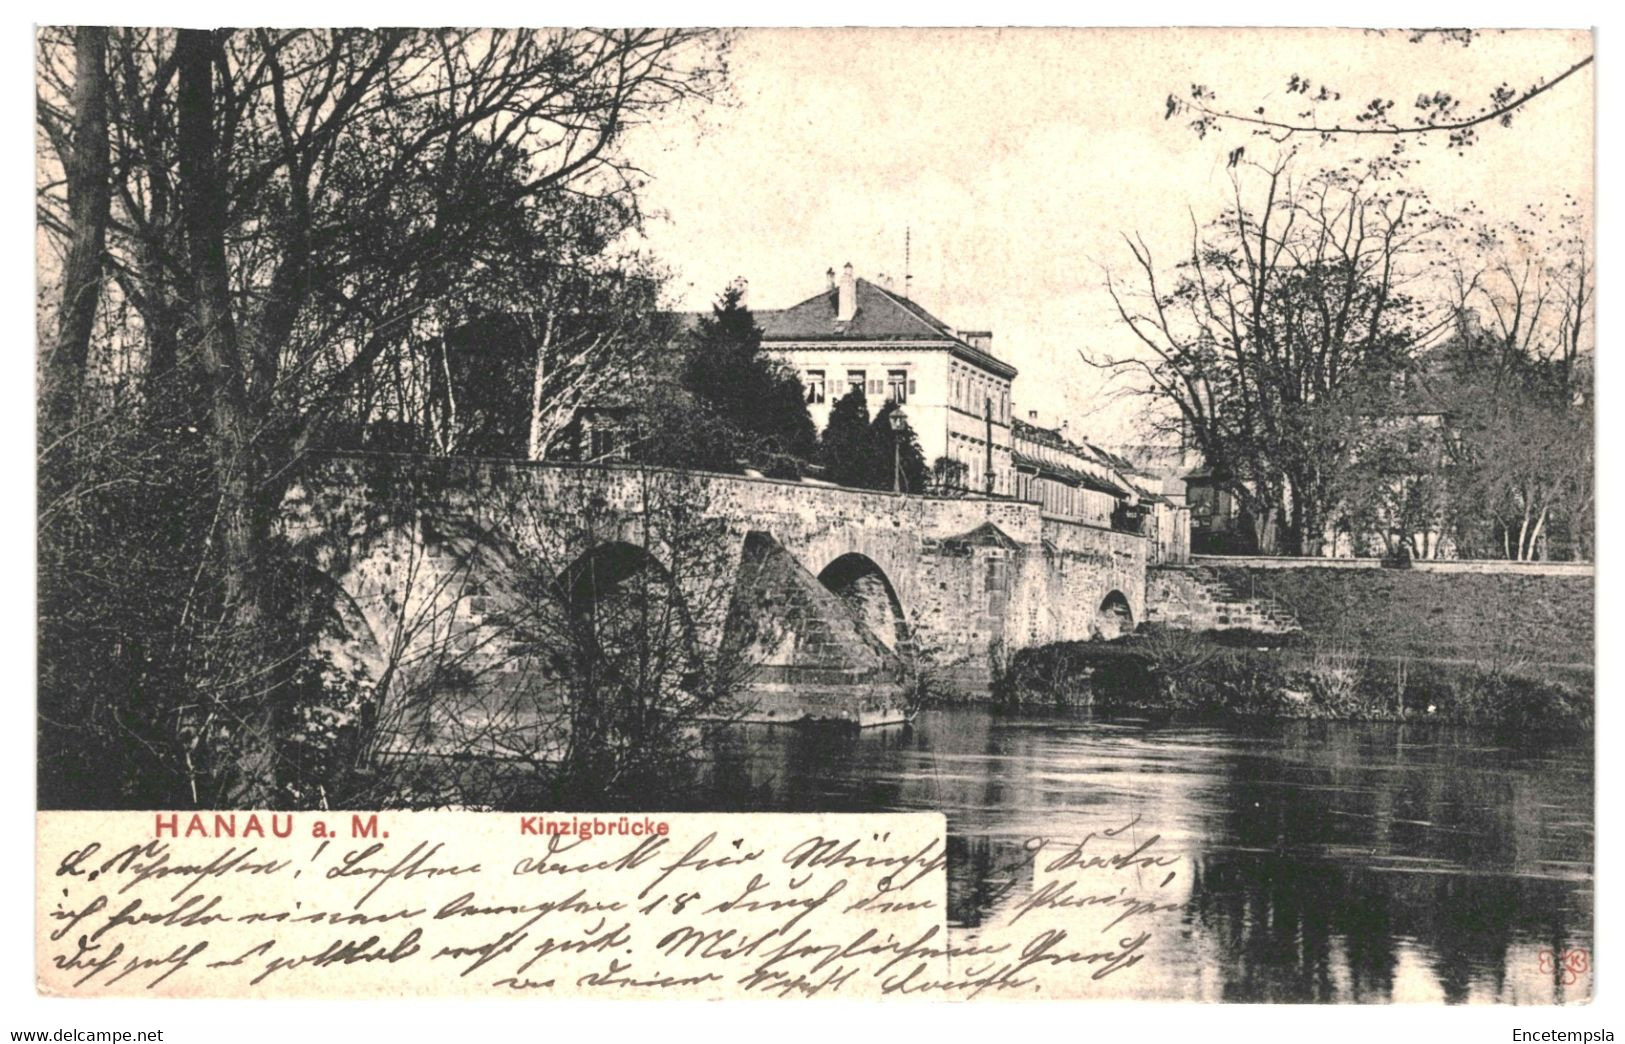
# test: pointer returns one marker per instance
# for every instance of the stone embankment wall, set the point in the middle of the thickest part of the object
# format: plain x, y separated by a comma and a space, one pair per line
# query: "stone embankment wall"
1195, 598
1526, 612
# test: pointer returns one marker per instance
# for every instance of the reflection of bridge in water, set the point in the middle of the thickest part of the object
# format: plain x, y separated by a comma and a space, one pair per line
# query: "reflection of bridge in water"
832, 594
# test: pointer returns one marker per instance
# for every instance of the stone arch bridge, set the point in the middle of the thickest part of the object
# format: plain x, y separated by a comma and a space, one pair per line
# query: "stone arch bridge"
834, 597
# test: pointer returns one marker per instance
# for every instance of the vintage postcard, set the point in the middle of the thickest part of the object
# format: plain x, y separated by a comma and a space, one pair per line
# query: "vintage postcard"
874, 514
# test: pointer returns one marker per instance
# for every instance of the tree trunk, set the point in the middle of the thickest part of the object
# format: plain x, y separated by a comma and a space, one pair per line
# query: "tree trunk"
161, 318
203, 207
1266, 531
87, 168
1536, 537
538, 439
1311, 537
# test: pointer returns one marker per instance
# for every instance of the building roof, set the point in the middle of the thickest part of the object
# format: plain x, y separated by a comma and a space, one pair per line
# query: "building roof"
1054, 439
1071, 476
880, 315
1158, 460
1117, 461
1126, 479
985, 535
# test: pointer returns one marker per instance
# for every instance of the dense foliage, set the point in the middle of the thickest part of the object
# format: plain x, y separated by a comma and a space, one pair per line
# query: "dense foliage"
1184, 676
727, 372
249, 237
882, 453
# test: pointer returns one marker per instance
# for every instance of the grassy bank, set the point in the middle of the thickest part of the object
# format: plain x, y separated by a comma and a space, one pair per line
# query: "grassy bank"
1178, 674
1423, 615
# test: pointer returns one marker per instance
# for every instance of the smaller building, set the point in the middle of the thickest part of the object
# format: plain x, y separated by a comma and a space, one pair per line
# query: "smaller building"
1076, 480
1065, 478
1213, 519
1167, 522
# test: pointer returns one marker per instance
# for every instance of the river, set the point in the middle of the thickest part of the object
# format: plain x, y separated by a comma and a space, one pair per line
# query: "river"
1328, 861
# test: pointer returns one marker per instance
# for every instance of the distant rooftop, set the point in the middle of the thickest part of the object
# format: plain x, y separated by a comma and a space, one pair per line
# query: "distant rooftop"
879, 315
1071, 476
1081, 449
1155, 458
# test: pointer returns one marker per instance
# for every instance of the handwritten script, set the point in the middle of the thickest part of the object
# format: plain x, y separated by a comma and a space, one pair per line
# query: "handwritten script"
704, 906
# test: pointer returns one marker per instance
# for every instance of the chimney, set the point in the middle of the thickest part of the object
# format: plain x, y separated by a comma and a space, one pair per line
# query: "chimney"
908, 286
831, 276
981, 340
847, 305
1032, 415
885, 281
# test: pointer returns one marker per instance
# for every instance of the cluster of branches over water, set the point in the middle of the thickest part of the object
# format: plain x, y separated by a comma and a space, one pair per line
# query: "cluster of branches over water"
1316, 109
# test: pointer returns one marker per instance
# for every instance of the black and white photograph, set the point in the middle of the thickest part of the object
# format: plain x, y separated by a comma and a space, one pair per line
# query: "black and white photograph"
1166, 453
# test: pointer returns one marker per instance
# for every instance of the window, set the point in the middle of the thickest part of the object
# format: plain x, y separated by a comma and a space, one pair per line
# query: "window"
855, 380
605, 442
897, 386
815, 387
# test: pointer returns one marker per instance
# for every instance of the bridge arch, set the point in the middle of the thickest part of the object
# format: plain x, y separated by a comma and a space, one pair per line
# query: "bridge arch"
869, 593
603, 568
1115, 617
622, 603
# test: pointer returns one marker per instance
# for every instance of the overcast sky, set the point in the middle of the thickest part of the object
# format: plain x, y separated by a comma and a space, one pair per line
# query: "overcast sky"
1018, 157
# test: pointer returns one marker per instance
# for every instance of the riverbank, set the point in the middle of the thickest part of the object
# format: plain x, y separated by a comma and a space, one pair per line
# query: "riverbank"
1448, 609
1185, 675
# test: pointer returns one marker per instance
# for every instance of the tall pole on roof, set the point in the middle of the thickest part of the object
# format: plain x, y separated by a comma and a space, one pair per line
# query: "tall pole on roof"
908, 265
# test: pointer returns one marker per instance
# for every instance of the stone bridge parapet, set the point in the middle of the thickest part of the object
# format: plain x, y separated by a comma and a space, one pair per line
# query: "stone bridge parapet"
948, 585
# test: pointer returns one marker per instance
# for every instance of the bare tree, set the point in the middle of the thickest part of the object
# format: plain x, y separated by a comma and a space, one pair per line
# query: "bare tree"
1287, 322
1517, 384
79, 138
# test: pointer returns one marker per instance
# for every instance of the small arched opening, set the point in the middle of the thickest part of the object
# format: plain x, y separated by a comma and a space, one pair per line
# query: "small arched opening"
860, 583
1115, 617
624, 613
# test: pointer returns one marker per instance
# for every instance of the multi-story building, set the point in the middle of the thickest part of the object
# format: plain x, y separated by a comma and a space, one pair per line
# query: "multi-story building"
1074, 479
1066, 478
954, 391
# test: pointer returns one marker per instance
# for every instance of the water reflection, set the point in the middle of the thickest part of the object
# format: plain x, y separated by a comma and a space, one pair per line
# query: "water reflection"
1328, 861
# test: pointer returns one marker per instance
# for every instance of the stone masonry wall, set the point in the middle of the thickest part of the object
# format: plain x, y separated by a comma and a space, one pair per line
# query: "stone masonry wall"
1471, 611
1194, 598
972, 578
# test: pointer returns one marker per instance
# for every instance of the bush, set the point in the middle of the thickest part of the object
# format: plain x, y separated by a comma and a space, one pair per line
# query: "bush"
1067, 674
1513, 700
1182, 674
